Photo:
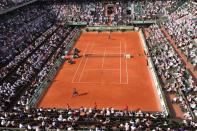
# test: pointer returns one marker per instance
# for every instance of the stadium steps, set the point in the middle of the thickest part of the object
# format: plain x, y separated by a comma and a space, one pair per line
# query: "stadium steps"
137, 8
176, 6
22, 89
12, 71
53, 52
16, 7
188, 65
29, 41
175, 109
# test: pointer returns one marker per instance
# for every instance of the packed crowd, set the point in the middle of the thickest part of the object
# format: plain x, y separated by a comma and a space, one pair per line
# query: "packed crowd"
96, 13
41, 51
26, 61
17, 31
90, 118
33, 71
5, 4
150, 9
23, 50
182, 28
174, 75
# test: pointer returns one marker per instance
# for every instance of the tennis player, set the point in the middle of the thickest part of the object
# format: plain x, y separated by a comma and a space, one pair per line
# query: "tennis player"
75, 92
109, 36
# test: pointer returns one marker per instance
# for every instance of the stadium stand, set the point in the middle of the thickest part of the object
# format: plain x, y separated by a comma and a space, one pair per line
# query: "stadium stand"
182, 24
170, 68
34, 20
32, 37
8, 4
93, 12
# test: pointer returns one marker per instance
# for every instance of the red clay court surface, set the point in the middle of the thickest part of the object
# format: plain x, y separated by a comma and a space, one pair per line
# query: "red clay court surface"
107, 81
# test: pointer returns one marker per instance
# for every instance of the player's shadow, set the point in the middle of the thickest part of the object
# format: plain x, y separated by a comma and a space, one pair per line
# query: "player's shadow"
112, 39
83, 94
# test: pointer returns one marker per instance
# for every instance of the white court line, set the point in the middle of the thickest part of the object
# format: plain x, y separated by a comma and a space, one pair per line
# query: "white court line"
83, 82
105, 47
81, 74
105, 53
103, 69
103, 58
83, 70
120, 64
125, 45
79, 64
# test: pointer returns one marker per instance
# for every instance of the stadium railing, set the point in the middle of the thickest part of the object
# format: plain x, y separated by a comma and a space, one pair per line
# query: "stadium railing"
11, 129
188, 105
138, 8
133, 22
173, 8
76, 23
156, 80
109, 28
136, 22
40, 91
16, 7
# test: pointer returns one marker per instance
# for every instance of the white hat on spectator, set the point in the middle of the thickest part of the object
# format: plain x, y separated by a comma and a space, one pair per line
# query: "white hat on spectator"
126, 126
21, 125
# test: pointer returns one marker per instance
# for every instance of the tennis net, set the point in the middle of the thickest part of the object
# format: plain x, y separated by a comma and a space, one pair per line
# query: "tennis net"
103, 55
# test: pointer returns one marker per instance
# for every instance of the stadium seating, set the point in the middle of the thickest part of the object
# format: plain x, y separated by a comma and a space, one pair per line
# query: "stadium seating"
181, 26
34, 20
6, 4
34, 36
170, 68
93, 12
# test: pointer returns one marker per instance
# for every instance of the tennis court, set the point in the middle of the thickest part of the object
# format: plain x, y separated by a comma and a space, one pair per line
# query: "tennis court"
103, 75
